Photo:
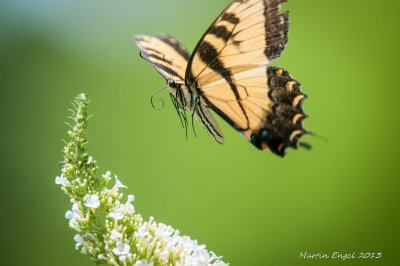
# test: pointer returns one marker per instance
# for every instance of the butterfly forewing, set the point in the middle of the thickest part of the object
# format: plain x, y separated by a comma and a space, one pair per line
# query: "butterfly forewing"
229, 70
247, 33
166, 55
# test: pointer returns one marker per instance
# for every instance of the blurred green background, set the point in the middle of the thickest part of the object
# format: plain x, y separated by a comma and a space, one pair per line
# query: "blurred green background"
251, 207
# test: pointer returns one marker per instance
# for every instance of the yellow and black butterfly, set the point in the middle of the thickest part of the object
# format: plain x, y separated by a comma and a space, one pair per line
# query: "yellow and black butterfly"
228, 72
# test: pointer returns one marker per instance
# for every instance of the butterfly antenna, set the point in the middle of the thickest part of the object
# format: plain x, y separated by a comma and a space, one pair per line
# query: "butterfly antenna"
162, 101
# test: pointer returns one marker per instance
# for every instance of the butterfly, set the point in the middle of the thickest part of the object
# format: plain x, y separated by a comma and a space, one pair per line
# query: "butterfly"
229, 73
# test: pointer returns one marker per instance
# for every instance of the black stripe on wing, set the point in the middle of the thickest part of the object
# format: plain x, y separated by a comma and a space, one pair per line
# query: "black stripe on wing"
210, 128
209, 54
189, 77
162, 69
165, 54
176, 45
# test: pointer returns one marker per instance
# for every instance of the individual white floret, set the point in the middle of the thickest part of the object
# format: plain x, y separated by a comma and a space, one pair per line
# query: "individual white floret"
91, 201
78, 239
121, 249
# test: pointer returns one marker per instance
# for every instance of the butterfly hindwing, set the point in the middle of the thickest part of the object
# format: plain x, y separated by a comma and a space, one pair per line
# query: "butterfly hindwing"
282, 124
270, 113
166, 55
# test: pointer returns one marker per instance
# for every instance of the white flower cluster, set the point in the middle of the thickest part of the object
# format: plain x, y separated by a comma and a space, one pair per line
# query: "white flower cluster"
166, 243
110, 231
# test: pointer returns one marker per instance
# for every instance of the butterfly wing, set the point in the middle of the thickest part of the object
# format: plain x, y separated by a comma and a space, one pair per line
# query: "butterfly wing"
248, 33
228, 69
206, 119
170, 59
165, 54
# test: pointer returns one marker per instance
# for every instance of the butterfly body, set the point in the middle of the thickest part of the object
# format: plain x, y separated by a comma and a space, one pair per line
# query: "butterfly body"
229, 72
185, 98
